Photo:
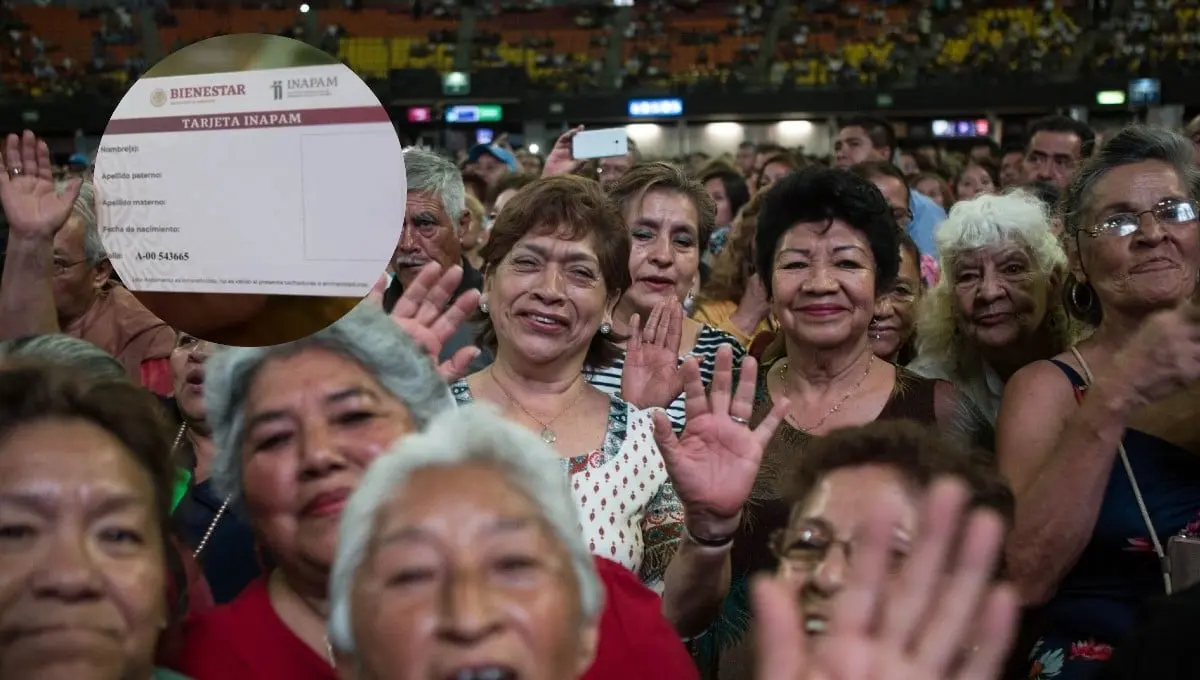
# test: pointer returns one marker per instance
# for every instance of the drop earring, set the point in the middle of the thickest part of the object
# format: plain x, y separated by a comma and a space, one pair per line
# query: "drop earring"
483, 305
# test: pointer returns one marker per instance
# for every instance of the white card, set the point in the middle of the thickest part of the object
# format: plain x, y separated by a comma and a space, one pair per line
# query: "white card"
281, 181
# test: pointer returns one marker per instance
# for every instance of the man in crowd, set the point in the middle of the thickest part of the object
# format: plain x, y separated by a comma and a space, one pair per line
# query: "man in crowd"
746, 155
1057, 145
871, 139
435, 218
87, 303
1011, 167
491, 162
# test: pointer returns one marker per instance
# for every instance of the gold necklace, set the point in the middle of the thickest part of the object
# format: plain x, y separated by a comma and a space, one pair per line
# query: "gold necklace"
783, 367
548, 434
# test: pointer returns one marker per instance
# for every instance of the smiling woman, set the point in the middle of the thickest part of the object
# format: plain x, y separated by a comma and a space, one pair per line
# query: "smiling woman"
826, 247
998, 305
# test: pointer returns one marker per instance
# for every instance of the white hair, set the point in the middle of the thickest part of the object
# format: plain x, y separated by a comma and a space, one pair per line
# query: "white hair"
365, 335
1014, 218
64, 350
471, 434
429, 172
85, 208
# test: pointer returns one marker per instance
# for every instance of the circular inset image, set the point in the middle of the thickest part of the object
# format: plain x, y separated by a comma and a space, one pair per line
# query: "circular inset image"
250, 190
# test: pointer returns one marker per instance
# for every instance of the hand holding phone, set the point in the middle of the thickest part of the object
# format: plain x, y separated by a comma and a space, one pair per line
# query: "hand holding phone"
606, 143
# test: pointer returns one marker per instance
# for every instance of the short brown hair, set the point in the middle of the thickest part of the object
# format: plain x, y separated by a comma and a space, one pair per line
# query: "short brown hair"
574, 208
919, 453
646, 177
33, 391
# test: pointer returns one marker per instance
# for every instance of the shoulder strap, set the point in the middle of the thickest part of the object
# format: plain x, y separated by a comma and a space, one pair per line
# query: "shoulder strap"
1137, 491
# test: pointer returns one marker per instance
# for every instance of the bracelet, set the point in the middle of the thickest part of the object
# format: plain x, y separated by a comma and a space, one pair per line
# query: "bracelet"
723, 542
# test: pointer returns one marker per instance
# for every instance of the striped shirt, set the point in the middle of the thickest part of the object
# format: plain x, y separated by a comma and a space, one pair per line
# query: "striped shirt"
709, 339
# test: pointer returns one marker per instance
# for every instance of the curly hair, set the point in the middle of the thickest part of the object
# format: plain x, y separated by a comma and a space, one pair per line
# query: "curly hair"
820, 194
1016, 217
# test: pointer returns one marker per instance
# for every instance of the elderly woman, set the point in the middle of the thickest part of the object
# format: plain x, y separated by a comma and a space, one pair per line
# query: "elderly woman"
1075, 427
998, 304
669, 217
831, 491
734, 300
409, 547
827, 247
878, 498
893, 327
85, 501
556, 264
296, 426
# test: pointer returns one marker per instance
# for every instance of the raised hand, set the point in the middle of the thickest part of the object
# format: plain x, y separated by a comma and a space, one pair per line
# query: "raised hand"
714, 464
33, 208
560, 160
651, 376
424, 313
918, 626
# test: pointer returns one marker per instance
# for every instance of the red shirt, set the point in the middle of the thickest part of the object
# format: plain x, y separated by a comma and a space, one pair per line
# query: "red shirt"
246, 639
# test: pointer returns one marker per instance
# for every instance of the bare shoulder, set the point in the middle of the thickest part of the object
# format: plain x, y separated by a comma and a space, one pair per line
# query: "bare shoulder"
1038, 400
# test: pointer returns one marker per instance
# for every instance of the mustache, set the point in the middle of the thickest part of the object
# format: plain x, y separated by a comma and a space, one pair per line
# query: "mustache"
404, 261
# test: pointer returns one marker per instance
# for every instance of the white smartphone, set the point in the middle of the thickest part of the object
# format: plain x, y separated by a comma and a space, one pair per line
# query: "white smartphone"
600, 144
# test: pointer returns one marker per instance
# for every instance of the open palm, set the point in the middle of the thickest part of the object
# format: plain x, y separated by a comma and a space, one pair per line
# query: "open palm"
714, 464
31, 203
651, 375
424, 312
918, 626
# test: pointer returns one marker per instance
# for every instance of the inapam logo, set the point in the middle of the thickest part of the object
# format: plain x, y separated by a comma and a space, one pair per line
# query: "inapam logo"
158, 98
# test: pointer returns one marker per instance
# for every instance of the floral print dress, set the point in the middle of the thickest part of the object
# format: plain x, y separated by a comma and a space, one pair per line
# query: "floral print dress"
1097, 603
629, 511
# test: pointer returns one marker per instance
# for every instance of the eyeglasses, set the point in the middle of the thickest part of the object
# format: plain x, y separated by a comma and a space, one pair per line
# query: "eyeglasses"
801, 548
61, 266
1171, 212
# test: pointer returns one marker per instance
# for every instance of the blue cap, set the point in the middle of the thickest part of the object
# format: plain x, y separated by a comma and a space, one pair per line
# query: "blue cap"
499, 153
79, 159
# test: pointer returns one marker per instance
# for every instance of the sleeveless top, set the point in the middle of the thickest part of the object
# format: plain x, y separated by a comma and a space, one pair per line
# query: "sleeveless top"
912, 398
1098, 602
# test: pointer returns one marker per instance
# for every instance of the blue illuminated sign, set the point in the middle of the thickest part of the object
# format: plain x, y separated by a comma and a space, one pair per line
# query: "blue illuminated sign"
655, 108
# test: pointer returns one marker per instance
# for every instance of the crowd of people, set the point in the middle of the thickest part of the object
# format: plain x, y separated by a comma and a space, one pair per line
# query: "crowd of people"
900, 415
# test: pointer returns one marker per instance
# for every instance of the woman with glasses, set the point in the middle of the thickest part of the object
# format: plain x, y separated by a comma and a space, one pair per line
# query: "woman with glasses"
1101, 488
831, 492
998, 306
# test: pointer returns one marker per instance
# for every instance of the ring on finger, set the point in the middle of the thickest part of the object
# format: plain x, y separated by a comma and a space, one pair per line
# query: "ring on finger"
740, 421
15, 171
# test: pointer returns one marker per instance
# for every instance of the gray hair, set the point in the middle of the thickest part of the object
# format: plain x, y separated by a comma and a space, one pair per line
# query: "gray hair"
472, 434
430, 173
85, 209
63, 350
365, 335
1134, 144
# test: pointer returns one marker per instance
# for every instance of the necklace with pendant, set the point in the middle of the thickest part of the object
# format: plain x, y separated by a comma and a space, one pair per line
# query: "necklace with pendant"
548, 434
783, 367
